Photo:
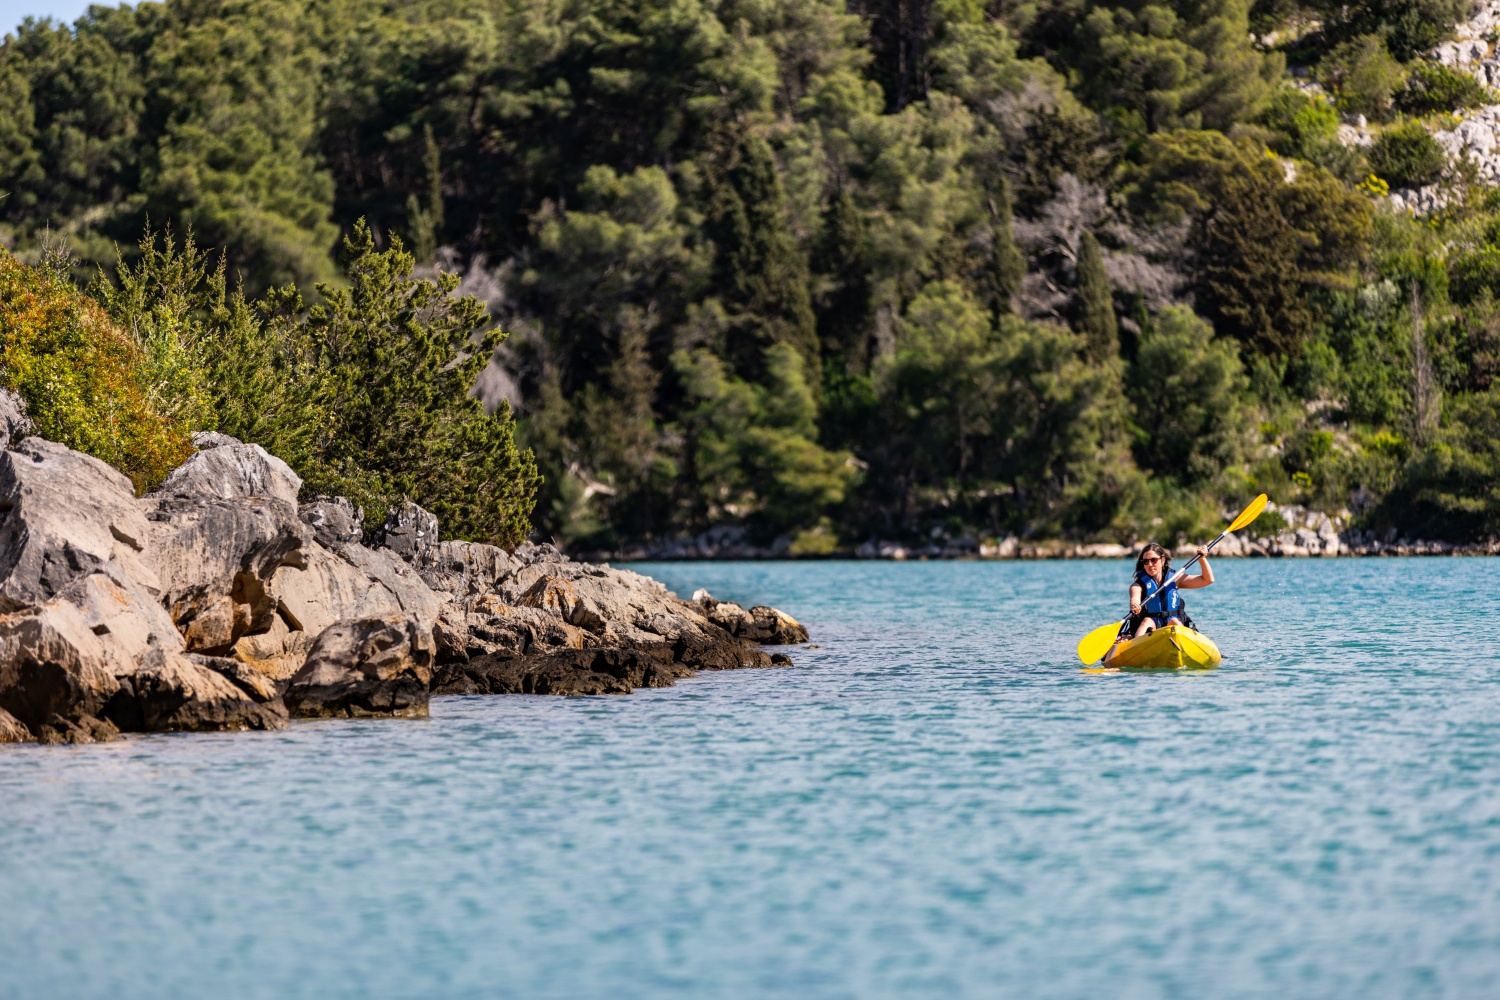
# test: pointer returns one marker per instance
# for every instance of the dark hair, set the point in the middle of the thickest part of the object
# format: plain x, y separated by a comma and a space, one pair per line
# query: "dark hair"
1166, 560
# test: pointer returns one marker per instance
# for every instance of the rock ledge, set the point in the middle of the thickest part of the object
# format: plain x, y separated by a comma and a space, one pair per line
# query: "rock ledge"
218, 602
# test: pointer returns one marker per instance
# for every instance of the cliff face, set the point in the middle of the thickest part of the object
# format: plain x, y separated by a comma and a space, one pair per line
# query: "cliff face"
217, 602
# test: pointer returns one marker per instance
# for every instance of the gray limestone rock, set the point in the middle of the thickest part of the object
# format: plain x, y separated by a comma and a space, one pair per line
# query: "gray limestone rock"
216, 560
226, 469
14, 423
259, 686
380, 666
335, 521
104, 648
217, 603
168, 692
64, 514
85, 729
409, 531
463, 569
761, 624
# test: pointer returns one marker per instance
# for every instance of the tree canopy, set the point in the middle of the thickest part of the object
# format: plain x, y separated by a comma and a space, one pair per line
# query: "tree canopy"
825, 270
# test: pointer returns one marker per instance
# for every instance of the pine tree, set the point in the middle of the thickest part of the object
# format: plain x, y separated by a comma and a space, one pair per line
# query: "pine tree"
402, 357
426, 214
1095, 305
1007, 265
763, 275
844, 309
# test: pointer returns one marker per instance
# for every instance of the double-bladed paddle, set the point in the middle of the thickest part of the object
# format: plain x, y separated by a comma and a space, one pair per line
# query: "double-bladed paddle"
1092, 647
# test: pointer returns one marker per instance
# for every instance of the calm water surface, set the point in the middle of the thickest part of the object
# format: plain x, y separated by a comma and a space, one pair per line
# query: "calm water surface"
935, 803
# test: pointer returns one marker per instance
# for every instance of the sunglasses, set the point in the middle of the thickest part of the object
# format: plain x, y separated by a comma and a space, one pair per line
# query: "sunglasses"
1150, 559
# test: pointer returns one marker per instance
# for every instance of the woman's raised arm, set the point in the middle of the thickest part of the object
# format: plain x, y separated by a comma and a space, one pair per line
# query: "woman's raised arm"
1205, 573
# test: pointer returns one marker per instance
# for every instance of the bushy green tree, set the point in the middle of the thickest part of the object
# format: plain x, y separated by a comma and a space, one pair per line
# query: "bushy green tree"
1175, 65
1187, 391
1261, 238
1407, 155
1303, 126
1008, 264
1407, 26
1451, 489
400, 356
1432, 87
366, 393
86, 382
843, 307
1363, 76
752, 449
760, 271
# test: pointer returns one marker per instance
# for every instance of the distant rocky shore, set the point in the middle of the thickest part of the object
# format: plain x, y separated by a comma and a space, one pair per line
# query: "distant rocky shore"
218, 602
1307, 533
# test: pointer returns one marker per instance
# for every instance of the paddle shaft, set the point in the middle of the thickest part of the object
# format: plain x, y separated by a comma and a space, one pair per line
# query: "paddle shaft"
1098, 642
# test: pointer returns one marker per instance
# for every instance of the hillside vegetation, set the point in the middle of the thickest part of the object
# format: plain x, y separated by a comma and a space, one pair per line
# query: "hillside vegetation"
828, 271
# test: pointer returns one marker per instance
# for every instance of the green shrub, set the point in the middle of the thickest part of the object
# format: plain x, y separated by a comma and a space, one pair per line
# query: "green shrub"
1304, 125
87, 383
1448, 489
1185, 387
1407, 155
366, 394
1363, 76
1432, 87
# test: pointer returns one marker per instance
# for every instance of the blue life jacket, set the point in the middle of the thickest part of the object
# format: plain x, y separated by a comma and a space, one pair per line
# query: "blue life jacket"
1158, 602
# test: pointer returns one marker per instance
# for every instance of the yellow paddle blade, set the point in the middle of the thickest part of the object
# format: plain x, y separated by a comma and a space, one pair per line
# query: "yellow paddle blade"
1092, 647
1249, 514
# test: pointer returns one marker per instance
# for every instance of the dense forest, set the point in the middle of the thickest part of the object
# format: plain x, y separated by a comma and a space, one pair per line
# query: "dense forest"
824, 270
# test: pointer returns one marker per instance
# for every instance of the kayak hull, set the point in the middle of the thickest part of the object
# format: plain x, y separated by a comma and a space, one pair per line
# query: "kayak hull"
1168, 648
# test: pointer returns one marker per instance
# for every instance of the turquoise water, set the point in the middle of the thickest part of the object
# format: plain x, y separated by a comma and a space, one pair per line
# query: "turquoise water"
935, 803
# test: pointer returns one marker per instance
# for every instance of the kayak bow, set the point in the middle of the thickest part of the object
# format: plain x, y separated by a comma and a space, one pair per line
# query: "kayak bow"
1169, 647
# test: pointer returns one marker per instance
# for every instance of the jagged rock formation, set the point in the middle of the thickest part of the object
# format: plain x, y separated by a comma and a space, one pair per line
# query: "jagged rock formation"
217, 602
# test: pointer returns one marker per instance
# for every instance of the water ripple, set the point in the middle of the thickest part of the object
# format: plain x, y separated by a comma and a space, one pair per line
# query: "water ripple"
930, 804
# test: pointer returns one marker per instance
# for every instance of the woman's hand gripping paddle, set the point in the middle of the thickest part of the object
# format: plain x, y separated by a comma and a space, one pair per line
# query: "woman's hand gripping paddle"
1092, 647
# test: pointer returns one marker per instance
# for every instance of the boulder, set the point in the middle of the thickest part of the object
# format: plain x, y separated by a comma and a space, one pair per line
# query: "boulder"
53, 663
84, 729
224, 469
257, 684
217, 561
275, 654
378, 666
486, 626
168, 692
14, 423
762, 625
103, 648
12, 730
462, 569
64, 514
557, 595
335, 521
354, 582
409, 531
571, 672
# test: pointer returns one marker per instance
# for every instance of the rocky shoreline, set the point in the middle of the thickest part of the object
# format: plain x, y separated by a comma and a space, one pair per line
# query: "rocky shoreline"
1307, 533
219, 602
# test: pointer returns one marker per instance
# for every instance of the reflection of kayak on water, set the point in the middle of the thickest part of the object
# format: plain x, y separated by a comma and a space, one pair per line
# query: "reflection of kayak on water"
1164, 648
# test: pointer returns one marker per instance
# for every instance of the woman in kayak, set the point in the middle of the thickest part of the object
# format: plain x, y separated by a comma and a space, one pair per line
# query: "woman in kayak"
1152, 605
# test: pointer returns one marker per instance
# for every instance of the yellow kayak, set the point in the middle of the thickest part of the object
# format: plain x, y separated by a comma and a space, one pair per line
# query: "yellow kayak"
1165, 648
